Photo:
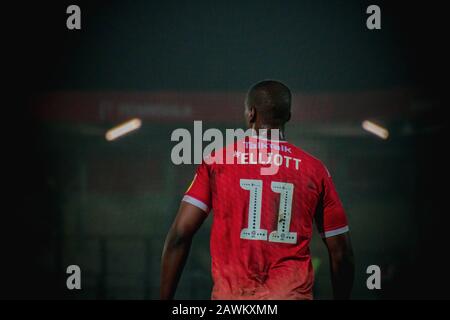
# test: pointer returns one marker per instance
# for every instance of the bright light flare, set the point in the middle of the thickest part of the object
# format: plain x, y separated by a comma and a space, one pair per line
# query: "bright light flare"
123, 129
375, 129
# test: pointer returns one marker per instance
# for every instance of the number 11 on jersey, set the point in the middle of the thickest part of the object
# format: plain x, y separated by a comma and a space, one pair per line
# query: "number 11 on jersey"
253, 230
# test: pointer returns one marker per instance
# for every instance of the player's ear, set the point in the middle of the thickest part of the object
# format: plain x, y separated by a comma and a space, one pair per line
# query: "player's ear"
251, 115
289, 116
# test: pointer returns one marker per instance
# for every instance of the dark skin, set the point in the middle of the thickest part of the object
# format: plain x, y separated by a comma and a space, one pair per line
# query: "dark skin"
342, 265
176, 249
189, 219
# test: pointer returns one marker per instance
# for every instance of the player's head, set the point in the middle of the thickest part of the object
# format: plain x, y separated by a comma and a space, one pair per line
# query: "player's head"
268, 104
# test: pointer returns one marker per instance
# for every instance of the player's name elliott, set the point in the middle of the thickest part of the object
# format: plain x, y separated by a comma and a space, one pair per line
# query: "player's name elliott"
267, 158
188, 145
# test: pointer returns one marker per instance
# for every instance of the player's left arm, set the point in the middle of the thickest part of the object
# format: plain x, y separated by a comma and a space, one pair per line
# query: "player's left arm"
332, 223
177, 246
341, 265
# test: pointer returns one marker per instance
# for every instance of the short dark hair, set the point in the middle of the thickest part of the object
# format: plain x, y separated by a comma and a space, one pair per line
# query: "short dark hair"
272, 99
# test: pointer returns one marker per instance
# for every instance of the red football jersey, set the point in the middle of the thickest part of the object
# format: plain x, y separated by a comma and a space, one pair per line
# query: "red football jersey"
263, 223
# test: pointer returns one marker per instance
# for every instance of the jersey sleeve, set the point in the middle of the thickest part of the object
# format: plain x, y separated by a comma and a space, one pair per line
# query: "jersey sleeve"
330, 217
199, 192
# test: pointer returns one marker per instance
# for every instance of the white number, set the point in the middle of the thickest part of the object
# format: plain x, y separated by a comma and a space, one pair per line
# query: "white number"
282, 233
253, 230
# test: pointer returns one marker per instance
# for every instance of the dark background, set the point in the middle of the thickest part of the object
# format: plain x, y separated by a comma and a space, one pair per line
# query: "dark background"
73, 198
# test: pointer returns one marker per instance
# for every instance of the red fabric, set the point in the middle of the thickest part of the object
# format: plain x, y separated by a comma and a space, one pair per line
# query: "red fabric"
263, 269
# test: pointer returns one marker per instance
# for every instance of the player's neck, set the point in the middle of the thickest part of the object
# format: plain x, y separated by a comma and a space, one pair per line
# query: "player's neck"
265, 131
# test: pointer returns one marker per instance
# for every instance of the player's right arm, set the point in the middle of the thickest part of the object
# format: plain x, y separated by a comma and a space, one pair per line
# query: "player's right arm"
192, 212
177, 246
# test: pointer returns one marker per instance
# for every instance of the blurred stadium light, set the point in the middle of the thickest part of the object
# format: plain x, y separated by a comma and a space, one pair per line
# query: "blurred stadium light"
123, 129
376, 129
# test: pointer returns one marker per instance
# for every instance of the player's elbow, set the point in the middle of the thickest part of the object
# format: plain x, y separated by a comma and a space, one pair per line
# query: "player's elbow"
342, 256
178, 236
340, 249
